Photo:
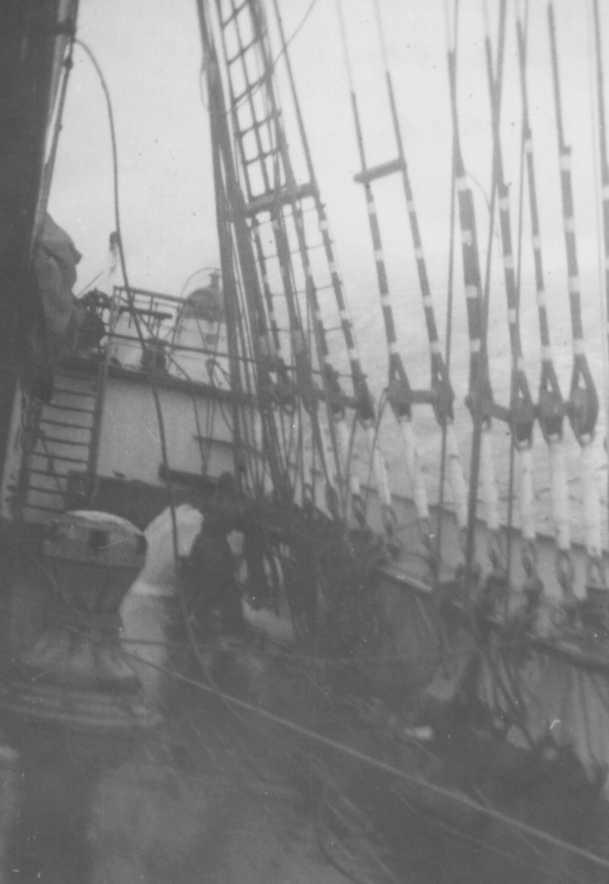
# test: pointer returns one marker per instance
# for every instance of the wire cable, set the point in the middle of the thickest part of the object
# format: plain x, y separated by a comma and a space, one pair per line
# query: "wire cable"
383, 766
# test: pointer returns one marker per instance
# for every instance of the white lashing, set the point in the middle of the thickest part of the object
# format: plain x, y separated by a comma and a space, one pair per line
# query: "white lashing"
416, 469
560, 494
488, 481
527, 494
379, 467
455, 476
591, 501
343, 440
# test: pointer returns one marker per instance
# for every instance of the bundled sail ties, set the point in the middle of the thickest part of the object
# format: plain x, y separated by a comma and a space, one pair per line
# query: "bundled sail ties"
582, 405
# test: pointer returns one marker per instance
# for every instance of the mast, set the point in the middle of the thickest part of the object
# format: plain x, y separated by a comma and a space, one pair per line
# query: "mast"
245, 253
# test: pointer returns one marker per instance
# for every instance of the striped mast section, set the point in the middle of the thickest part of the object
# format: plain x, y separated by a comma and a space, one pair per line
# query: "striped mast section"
399, 392
521, 408
480, 396
443, 395
247, 265
551, 406
582, 406
276, 193
363, 401
604, 166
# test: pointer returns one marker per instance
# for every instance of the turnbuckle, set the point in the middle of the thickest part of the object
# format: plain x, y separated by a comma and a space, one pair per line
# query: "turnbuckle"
582, 407
363, 399
479, 400
399, 391
336, 397
443, 394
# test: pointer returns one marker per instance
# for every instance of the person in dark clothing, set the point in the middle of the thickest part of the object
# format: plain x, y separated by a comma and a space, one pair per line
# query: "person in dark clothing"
212, 594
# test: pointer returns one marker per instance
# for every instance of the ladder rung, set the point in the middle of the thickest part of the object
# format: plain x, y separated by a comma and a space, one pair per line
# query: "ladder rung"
60, 457
257, 124
89, 393
42, 508
65, 442
368, 175
260, 157
69, 408
251, 87
268, 201
39, 489
50, 473
233, 58
52, 423
235, 13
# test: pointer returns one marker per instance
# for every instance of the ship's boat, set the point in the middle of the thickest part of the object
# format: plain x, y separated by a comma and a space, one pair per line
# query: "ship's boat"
229, 444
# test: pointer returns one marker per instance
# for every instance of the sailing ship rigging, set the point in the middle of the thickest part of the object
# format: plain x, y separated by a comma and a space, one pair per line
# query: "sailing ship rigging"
255, 390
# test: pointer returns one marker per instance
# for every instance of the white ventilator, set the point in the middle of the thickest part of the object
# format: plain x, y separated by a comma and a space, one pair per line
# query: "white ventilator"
527, 494
455, 476
488, 481
560, 494
591, 501
416, 469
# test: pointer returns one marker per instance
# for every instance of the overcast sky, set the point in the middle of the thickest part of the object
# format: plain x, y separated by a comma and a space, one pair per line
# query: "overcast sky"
150, 53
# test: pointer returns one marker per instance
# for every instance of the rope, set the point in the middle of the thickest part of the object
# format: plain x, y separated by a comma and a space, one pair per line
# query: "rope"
583, 399
380, 765
602, 160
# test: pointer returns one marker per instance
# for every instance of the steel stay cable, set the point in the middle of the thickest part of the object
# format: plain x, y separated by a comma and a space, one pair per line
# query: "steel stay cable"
480, 396
448, 334
440, 376
550, 400
521, 409
380, 765
399, 391
482, 457
604, 173
302, 355
117, 219
364, 404
583, 402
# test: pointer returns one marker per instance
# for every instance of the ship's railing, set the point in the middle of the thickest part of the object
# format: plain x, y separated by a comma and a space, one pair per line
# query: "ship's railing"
193, 348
